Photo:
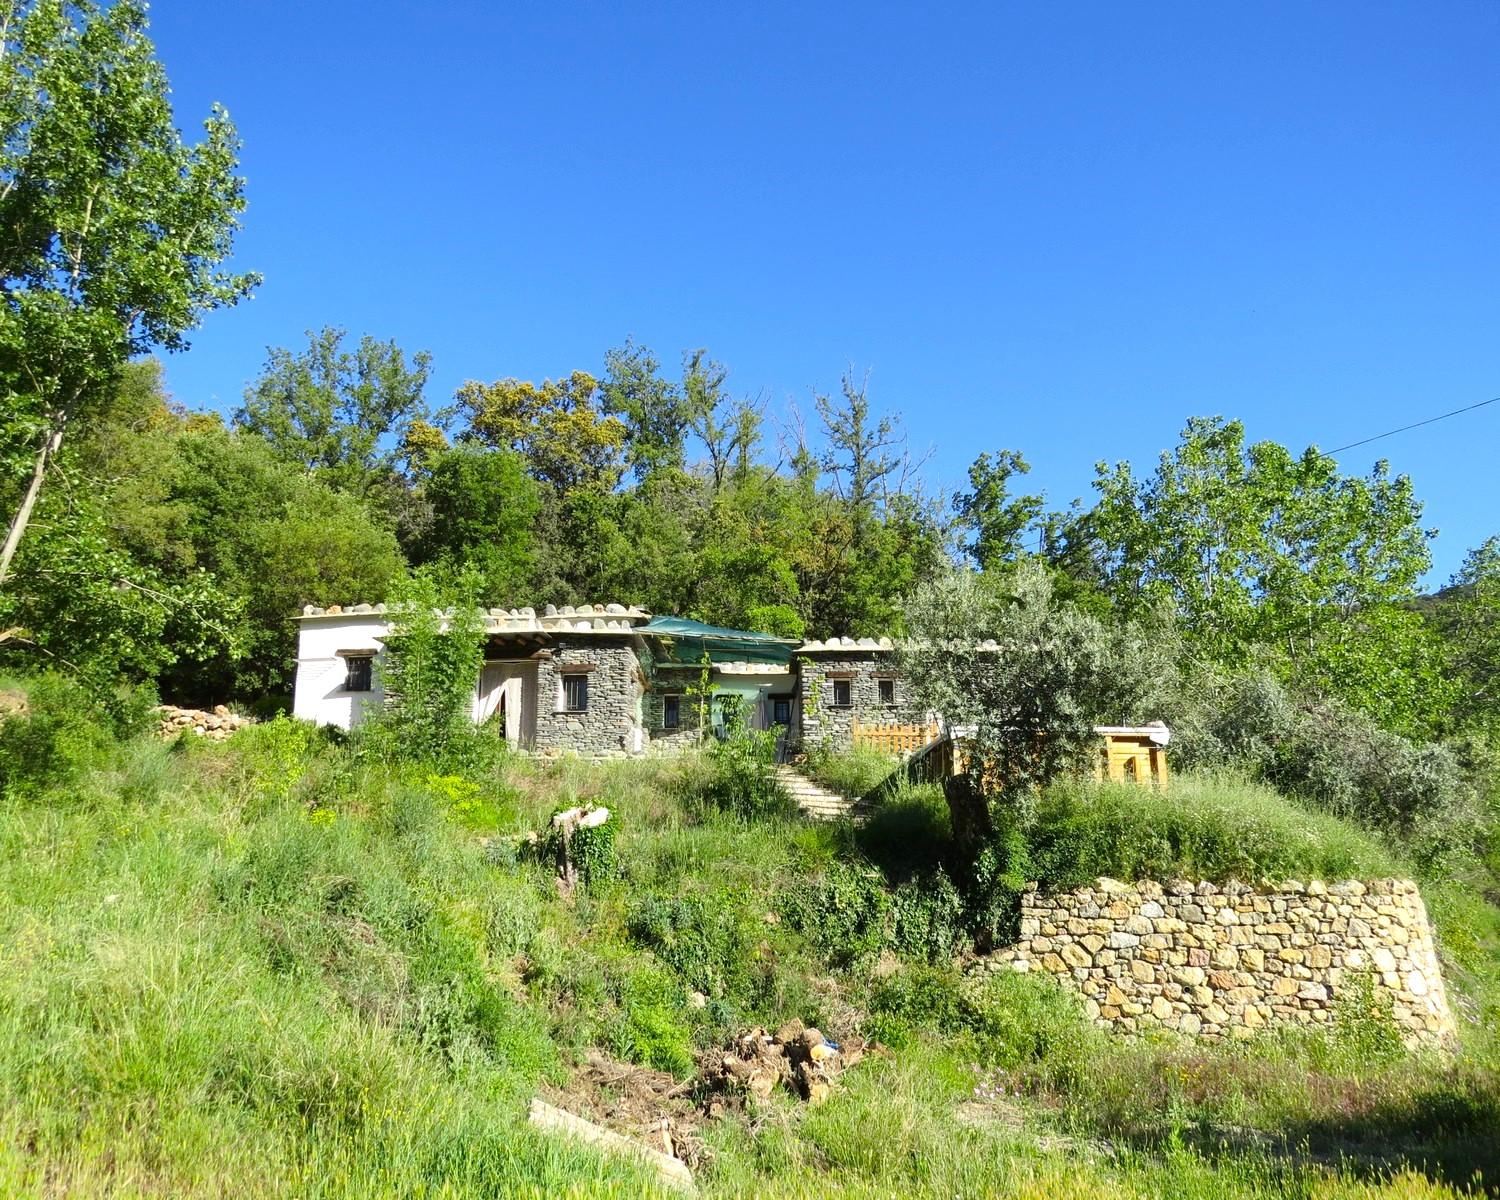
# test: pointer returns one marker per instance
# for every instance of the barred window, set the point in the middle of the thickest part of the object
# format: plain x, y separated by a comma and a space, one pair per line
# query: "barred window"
575, 692
843, 693
357, 672
671, 712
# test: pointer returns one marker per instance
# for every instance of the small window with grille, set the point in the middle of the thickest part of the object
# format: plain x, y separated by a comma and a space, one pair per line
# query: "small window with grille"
887, 690
843, 693
575, 693
671, 712
358, 673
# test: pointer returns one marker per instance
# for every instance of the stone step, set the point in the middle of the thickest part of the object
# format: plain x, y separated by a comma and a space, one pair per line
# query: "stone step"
814, 800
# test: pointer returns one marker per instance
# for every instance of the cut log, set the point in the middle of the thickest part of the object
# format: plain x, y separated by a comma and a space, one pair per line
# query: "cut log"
673, 1171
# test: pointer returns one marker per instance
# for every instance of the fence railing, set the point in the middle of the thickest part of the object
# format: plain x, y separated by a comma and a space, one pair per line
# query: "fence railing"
894, 740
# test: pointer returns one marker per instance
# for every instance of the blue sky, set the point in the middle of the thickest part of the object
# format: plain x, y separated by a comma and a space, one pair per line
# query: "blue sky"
1062, 228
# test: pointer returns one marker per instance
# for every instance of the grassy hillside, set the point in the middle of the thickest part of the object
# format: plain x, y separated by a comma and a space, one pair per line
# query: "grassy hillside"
268, 968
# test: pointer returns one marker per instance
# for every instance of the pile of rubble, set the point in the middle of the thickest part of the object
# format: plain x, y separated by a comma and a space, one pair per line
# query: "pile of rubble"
796, 1056
216, 725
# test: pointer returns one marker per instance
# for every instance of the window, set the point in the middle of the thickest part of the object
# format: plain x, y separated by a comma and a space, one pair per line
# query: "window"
575, 693
671, 712
781, 710
887, 691
357, 674
843, 693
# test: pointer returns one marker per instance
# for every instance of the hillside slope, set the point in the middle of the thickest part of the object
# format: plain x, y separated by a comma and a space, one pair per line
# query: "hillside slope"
265, 967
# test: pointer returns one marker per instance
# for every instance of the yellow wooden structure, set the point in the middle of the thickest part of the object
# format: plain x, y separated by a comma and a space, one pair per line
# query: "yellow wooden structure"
1133, 754
1127, 754
894, 740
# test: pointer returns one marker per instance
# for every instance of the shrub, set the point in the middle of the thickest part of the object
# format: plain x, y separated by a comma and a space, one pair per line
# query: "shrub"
653, 1031
1011, 1020
1336, 758
743, 778
708, 940
927, 917
841, 912
60, 737
428, 673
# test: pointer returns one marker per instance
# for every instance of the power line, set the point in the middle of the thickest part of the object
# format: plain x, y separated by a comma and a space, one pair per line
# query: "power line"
1414, 425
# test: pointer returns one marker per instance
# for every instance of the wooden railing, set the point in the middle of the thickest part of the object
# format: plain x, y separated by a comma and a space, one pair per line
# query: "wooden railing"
894, 740
1124, 756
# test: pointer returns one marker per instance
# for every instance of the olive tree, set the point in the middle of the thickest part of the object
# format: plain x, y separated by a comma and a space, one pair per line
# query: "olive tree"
115, 229
1029, 676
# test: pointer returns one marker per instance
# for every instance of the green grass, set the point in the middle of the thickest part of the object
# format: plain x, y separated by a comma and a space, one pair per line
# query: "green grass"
265, 968
1204, 827
855, 773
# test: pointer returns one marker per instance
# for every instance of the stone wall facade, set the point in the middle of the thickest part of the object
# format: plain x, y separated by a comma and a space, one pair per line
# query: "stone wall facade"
686, 735
823, 720
611, 726
1228, 960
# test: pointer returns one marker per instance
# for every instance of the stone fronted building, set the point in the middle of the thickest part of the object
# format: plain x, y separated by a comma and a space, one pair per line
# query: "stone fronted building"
842, 683
611, 680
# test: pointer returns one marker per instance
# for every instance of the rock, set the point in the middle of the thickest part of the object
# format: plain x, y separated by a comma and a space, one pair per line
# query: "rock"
1075, 955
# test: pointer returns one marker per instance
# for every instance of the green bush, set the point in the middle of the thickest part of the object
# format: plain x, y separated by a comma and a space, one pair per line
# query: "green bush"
62, 735
654, 1031
927, 917
743, 771
842, 912
1007, 1019
708, 940
1338, 759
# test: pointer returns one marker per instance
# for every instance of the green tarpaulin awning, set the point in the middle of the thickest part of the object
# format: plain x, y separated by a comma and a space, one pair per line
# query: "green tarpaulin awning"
690, 640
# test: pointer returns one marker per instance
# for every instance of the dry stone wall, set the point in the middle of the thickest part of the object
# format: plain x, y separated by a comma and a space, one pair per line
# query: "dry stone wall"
1228, 960
610, 727
216, 725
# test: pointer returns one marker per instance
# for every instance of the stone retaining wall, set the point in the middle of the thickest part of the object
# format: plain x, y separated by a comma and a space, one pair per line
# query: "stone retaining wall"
1227, 960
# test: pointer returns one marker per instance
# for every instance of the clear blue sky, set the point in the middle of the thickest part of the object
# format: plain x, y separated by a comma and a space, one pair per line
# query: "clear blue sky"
1062, 228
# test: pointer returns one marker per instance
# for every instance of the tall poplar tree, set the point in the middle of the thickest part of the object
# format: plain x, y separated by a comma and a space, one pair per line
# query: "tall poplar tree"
114, 229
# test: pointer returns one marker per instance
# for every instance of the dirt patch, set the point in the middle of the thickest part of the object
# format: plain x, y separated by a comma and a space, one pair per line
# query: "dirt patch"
13, 704
653, 1107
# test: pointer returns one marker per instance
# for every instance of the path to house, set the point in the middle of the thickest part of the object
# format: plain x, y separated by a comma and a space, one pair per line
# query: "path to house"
814, 800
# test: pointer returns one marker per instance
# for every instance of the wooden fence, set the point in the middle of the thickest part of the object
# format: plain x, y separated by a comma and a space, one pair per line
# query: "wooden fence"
894, 740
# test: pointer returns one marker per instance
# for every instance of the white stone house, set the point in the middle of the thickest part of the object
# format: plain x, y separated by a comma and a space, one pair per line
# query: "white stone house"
611, 680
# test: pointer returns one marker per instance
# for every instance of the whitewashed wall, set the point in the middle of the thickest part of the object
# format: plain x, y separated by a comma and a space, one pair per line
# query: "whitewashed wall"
319, 694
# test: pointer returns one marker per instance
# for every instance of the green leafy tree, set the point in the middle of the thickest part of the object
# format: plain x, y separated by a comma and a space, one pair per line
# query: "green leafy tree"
344, 414
653, 410
1031, 676
729, 429
483, 507
429, 670
116, 228
559, 427
86, 606
1253, 546
1468, 616
996, 520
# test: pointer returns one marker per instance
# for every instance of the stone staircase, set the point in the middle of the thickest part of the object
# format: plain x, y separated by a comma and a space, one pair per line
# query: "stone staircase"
813, 799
